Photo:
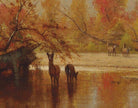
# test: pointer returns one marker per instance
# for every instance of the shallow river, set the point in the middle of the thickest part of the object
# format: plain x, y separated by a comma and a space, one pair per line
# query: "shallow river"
91, 90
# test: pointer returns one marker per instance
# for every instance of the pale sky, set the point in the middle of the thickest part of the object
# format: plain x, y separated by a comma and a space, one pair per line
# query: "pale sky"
92, 11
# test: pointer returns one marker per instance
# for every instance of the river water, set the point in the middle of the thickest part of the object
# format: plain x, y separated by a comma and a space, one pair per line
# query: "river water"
91, 90
103, 82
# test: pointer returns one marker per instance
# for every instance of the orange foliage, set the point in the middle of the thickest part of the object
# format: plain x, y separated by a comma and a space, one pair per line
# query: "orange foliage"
48, 29
110, 10
8, 14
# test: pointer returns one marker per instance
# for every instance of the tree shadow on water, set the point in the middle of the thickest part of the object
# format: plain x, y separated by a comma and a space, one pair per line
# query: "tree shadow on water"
12, 93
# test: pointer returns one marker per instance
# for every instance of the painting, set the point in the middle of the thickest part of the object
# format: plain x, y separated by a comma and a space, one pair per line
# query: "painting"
68, 54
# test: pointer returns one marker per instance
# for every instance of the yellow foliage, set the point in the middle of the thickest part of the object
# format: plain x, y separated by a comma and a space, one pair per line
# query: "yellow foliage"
135, 25
50, 10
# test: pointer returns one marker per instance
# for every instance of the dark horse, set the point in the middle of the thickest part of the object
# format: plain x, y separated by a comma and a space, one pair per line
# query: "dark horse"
54, 70
70, 72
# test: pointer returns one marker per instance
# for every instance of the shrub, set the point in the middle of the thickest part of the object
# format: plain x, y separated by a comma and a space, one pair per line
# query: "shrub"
127, 40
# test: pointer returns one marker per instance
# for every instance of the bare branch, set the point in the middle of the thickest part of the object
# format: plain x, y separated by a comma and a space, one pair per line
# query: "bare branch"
20, 9
85, 33
135, 40
85, 26
10, 39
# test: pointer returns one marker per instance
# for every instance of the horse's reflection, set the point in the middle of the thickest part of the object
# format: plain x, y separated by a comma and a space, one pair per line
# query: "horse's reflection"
72, 87
55, 95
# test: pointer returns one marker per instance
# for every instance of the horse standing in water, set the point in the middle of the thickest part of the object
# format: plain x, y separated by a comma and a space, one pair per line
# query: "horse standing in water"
125, 50
70, 72
111, 50
54, 70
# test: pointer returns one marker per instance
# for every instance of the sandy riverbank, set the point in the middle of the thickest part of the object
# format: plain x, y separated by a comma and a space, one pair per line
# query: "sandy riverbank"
95, 60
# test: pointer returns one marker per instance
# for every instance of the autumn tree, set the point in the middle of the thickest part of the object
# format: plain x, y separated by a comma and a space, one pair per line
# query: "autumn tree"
131, 20
81, 26
115, 20
78, 11
22, 29
22, 23
15, 17
110, 12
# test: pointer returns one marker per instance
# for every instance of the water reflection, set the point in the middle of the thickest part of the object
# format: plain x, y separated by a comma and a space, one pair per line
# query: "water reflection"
14, 96
72, 88
97, 90
55, 96
112, 93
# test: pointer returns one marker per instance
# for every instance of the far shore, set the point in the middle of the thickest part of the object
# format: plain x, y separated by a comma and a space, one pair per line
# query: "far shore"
94, 60
94, 63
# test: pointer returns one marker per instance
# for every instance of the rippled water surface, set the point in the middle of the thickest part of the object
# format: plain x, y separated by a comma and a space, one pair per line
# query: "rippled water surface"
91, 90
